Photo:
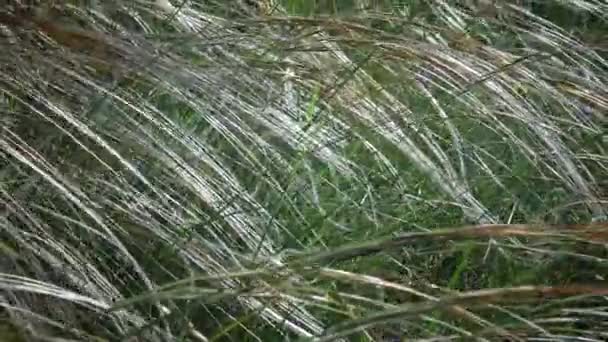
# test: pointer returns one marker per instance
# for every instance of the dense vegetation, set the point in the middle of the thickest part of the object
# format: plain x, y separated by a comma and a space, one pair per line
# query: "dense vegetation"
366, 170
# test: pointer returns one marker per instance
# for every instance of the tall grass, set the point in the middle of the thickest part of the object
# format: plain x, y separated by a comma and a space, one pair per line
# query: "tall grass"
325, 170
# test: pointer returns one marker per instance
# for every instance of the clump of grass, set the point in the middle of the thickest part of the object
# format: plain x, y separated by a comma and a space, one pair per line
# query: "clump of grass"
257, 170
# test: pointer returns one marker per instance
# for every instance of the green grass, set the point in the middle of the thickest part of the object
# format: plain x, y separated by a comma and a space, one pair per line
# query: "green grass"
321, 172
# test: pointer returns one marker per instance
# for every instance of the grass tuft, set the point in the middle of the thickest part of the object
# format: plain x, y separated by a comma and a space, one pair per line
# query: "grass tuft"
281, 170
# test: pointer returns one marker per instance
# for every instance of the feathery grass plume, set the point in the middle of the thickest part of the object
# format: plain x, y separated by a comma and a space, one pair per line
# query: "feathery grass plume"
268, 170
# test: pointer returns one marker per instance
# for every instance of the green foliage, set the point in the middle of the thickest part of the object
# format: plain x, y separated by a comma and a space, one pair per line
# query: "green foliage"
367, 170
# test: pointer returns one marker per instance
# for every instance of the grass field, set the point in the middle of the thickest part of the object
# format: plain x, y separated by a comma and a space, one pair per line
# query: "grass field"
365, 170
